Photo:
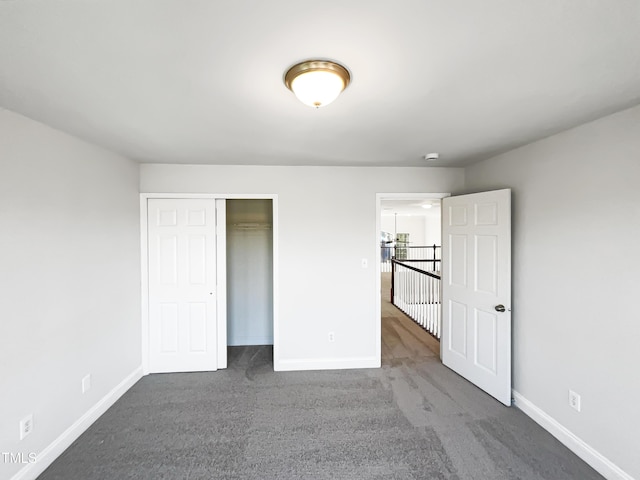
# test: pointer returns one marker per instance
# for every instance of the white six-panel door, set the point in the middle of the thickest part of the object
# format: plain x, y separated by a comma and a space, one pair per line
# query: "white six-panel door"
182, 285
476, 289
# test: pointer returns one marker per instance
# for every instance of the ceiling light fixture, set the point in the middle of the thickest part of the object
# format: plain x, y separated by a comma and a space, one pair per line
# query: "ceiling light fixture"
317, 82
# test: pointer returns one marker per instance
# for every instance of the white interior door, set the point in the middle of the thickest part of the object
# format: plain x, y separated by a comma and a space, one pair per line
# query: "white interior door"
476, 289
182, 285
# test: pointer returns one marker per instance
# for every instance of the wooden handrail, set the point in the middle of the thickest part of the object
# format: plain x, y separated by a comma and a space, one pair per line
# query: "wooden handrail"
430, 274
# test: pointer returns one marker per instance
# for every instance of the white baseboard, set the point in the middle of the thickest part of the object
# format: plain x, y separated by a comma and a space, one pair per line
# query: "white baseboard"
325, 364
60, 444
599, 462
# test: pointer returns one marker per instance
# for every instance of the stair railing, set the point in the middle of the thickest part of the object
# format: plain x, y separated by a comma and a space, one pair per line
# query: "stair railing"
418, 294
431, 253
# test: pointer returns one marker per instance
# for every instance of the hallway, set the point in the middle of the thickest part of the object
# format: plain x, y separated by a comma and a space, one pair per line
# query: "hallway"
402, 338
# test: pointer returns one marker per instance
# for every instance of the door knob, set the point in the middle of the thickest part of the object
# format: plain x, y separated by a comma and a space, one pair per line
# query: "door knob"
500, 308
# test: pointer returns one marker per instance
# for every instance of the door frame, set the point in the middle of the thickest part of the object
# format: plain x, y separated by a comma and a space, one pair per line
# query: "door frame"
379, 199
221, 271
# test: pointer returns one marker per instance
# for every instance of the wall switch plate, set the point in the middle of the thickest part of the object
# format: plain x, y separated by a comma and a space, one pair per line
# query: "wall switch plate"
574, 400
365, 263
332, 337
86, 383
26, 426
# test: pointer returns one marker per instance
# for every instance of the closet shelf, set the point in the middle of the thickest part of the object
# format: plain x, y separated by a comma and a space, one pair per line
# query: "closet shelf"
251, 226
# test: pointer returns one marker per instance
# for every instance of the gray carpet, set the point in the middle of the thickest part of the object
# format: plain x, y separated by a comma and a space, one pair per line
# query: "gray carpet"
411, 419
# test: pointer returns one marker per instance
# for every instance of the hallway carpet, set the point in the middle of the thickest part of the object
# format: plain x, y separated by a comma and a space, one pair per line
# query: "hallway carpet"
411, 419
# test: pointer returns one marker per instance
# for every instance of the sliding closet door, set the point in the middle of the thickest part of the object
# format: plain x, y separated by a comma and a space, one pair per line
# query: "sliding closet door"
182, 285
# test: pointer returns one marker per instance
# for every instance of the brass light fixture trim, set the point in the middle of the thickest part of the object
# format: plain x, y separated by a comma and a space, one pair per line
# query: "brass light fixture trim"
311, 66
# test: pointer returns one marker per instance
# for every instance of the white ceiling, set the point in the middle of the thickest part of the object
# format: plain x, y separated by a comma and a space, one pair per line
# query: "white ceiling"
200, 81
410, 207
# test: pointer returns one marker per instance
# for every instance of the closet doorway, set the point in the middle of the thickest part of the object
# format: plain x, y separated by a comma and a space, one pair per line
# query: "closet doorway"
239, 298
249, 226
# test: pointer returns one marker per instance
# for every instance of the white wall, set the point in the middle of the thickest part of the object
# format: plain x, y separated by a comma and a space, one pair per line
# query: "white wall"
433, 229
414, 225
424, 229
576, 278
326, 224
69, 281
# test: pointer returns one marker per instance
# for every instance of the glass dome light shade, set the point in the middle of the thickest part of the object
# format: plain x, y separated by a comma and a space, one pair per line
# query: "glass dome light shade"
318, 88
317, 83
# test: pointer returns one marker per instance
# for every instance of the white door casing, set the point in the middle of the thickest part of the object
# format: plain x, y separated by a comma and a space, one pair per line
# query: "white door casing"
182, 285
476, 289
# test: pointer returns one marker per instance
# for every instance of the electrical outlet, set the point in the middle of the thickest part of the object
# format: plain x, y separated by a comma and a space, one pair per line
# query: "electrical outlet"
574, 400
332, 337
86, 383
26, 426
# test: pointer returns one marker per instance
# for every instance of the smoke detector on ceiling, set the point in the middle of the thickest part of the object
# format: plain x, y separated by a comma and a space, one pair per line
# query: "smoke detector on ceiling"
429, 157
